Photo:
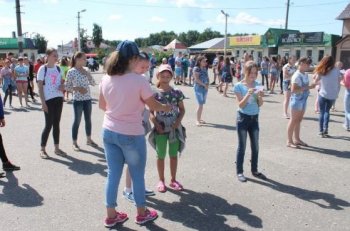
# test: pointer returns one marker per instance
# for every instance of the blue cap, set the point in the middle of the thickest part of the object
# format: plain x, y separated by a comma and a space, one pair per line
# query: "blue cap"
128, 49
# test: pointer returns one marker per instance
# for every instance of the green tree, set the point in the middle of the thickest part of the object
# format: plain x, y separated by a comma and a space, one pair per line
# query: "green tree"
83, 40
97, 35
192, 37
209, 34
40, 43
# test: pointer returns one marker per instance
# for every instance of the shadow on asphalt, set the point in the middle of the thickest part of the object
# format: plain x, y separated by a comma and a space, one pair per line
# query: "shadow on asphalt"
327, 151
203, 211
316, 197
20, 196
316, 119
219, 126
81, 166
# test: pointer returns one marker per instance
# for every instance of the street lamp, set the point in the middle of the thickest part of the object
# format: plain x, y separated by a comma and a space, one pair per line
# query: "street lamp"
225, 43
79, 45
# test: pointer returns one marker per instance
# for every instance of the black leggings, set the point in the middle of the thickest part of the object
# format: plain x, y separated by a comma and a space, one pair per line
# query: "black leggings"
30, 89
2, 152
52, 119
263, 77
281, 80
8, 93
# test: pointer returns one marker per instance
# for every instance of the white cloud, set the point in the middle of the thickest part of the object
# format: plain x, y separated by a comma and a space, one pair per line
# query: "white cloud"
152, 1
7, 21
245, 18
50, 1
157, 19
115, 17
191, 3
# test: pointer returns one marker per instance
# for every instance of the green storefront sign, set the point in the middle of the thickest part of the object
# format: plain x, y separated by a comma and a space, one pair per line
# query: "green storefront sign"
8, 43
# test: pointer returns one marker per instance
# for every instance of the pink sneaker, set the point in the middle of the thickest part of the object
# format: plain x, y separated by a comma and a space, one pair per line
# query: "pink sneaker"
150, 215
119, 218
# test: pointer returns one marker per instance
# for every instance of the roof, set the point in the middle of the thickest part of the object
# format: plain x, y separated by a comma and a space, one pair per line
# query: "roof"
12, 43
212, 43
175, 44
345, 14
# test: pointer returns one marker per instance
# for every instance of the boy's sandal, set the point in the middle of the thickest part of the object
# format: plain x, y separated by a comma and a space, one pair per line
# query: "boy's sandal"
161, 187
43, 154
176, 185
202, 122
92, 144
59, 152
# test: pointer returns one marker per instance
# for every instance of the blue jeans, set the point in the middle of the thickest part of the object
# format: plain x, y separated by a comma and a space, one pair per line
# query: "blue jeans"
347, 108
325, 106
79, 108
120, 149
247, 124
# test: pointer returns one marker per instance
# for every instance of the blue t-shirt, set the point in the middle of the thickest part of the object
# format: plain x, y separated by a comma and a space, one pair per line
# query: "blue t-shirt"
203, 75
252, 107
22, 72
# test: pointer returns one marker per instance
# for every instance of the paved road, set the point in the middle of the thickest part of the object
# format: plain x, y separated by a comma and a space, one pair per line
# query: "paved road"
308, 189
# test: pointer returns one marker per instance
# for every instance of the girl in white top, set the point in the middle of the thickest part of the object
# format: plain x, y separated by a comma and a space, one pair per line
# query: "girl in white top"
78, 81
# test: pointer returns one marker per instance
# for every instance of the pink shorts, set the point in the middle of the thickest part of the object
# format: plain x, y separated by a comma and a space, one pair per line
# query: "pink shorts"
21, 81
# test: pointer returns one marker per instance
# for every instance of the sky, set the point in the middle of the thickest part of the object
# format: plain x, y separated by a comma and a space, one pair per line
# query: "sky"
57, 20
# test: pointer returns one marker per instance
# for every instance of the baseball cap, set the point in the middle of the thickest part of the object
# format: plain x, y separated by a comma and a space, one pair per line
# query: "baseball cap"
165, 67
128, 49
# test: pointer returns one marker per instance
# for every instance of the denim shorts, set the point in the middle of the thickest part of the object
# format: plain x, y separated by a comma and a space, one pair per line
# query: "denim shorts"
286, 85
201, 94
178, 71
298, 102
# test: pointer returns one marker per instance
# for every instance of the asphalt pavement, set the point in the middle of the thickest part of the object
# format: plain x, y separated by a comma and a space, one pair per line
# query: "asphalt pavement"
306, 189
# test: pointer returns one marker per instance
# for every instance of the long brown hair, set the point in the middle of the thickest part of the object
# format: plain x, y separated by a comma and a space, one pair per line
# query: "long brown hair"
116, 64
76, 56
326, 64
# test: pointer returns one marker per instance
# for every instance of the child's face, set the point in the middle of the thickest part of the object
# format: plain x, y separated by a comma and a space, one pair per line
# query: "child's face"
141, 67
164, 77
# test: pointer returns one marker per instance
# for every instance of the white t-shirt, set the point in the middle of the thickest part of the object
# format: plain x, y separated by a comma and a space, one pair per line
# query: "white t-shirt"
301, 79
52, 82
91, 61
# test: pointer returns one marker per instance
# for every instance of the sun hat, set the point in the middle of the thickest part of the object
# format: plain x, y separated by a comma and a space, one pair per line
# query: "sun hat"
128, 49
165, 67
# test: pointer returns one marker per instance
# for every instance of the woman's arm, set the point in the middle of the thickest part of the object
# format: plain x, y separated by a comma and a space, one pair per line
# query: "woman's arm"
242, 100
102, 102
154, 105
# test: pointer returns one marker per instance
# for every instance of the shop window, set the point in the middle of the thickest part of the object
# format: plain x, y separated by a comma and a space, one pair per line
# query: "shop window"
297, 54
320, 54
237, 53
309, 53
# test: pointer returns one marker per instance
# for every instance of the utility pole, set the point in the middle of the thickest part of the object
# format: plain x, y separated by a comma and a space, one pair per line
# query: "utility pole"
79, 42
225, 44
287, 15
19, 28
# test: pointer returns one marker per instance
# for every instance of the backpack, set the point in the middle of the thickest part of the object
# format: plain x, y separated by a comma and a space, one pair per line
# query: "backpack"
45, 71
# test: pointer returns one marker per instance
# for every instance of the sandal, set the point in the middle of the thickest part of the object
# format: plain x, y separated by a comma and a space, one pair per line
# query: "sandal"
292, 145
92, 144
43, 154
161, 187
176, 185
301, 143
59, 152
2, 174
76, 147
259, 175
202, 122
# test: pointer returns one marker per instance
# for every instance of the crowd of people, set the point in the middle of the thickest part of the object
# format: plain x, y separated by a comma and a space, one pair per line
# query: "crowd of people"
133, 108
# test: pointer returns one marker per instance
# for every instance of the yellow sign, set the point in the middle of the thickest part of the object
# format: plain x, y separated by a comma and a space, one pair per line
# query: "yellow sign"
250, 40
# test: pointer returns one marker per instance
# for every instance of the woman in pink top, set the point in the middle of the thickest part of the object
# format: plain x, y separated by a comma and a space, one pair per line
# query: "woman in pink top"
346, 83
123, 95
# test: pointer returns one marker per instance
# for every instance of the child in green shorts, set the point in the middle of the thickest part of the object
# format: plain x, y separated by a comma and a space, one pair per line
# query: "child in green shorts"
166, 125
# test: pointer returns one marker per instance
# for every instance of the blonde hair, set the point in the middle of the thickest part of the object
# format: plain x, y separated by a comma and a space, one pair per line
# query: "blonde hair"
248, 66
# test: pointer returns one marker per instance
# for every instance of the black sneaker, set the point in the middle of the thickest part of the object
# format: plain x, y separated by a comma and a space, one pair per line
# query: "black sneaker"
259, 175
241, 177
8, 166
212, 83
